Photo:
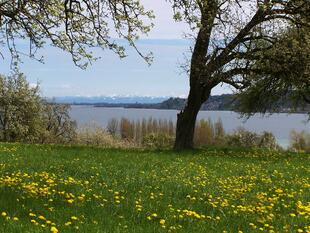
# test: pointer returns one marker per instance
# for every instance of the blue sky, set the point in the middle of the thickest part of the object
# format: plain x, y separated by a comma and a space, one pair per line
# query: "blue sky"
112, 76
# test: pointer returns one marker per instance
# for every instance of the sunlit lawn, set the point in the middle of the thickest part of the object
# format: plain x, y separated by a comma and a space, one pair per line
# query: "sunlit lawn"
78, 189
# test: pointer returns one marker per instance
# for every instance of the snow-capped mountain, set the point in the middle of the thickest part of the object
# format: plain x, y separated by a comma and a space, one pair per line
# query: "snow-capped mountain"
109, 99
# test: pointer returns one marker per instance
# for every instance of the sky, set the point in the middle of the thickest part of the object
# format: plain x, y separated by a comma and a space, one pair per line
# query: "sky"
58, 76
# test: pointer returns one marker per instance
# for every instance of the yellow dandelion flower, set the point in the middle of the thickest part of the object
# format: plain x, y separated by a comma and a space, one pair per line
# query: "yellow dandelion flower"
54, 230
162, 222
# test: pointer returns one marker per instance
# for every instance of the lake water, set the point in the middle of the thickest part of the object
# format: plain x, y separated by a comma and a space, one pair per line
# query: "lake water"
279, 124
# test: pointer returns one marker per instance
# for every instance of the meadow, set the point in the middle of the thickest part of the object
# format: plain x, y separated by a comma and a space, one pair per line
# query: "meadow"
45, 188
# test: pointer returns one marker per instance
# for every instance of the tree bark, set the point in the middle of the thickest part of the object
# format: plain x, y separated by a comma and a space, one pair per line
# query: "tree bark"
186, 121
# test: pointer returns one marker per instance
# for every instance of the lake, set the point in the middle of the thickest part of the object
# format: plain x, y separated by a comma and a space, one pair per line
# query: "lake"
279, 124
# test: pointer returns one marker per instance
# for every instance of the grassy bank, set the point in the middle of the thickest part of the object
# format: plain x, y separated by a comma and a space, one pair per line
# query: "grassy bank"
79, 189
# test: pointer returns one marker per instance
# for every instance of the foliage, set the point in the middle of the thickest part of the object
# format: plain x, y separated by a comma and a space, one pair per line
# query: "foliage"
286, 76
75, 26
219, 132
204, 133
157, 140
58, 125
244, 138
127, 129
94, 135
21, 108
153, 133
112, 127
300, 141
86, 189
25, 117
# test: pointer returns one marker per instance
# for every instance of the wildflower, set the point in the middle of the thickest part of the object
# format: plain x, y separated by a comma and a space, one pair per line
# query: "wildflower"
54, 229
162, 222
3, 214
41, 217
74, 218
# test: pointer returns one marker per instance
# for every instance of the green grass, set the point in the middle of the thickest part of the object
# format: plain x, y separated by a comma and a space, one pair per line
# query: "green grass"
214, 190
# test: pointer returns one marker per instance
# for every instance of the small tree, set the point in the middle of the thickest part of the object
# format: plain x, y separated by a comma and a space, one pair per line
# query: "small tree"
58, 125
113, 127
219, 131
20, 109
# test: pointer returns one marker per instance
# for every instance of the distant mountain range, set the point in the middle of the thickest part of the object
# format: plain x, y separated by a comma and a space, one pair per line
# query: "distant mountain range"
219, 102
215, 103
109, 99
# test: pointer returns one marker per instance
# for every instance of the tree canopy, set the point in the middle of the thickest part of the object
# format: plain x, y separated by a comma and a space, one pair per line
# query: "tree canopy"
285, 76
75, 26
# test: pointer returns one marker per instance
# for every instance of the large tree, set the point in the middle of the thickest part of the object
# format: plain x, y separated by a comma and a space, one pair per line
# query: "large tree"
74, 26
230, 36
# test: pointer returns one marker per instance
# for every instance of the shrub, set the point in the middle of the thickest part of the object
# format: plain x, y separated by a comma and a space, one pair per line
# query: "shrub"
268, 140
138, 131
93, 135
244, 138
158, 141
209, 133
113, 127
127, 129
204, 133
219, 132
300, 141
58, 126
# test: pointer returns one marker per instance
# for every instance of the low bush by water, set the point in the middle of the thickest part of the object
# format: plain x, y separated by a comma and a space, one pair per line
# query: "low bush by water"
153, 133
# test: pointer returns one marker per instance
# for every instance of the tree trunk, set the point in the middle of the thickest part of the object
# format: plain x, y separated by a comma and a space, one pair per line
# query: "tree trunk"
186, 121
200, 85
